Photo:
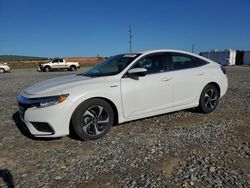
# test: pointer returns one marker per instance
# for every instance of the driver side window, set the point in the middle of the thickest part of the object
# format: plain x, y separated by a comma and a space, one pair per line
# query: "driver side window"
155, 63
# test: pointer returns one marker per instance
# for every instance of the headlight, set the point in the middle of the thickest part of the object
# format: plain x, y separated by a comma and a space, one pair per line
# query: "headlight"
42, 101
49, 101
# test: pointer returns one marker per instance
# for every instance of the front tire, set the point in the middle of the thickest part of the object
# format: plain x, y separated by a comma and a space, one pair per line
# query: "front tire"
209, 99
92, 119
46, 69
2, 71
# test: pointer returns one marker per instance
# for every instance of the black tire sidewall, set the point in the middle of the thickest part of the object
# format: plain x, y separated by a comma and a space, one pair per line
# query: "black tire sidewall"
77, 118
202, 106
46, 69
3, 71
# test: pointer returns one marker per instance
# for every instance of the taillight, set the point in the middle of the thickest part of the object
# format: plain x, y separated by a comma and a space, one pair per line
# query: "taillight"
223, 69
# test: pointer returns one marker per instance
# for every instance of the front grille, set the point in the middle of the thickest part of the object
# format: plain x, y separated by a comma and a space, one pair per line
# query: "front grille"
43, 127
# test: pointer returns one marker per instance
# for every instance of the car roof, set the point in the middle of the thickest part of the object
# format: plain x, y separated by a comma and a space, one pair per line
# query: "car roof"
174, 51
160, 50
57, 58
163, 50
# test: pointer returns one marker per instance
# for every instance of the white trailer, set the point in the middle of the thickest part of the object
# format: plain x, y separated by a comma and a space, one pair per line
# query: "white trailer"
226, 57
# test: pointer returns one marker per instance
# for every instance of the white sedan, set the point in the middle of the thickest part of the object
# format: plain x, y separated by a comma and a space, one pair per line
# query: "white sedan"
122, 88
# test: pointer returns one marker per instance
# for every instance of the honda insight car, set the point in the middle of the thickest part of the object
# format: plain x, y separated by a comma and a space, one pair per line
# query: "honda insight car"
122, 88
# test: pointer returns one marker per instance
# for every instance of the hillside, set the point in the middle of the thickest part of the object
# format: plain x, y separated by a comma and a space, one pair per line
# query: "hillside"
9, 58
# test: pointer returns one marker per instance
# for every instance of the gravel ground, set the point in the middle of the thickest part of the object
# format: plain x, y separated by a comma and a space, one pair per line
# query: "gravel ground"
181, 149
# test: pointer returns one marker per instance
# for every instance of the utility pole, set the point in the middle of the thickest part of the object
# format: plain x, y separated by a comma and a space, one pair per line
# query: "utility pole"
130, 38
193, 48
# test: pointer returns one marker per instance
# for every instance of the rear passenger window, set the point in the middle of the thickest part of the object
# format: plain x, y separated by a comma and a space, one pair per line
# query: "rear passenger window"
180, 61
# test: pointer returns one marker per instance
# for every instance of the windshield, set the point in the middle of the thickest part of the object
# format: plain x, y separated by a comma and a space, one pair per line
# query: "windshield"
111, 66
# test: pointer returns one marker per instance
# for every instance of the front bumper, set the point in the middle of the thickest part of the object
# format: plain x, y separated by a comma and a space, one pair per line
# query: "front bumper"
52, 121
39, 68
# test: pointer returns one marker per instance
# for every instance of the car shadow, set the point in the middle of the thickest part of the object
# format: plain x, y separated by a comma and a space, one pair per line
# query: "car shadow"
7, 178
25, 131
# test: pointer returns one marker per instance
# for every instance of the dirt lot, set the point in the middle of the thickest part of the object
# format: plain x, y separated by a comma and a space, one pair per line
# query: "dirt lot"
181, 149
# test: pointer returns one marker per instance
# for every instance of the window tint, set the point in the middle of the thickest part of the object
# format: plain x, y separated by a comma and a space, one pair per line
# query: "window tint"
60, 60
55, 61
153, 63
182, 61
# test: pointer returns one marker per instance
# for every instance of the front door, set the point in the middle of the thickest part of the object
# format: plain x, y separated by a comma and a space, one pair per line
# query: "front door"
142, 96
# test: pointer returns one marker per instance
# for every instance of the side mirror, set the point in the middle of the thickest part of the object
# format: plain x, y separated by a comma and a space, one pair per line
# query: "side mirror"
137, 72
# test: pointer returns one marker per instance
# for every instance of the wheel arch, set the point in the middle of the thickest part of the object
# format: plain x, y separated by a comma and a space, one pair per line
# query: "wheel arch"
3, 70
72, 66
45, 66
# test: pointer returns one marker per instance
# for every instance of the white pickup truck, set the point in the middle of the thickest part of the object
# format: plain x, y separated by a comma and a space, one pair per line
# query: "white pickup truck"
56, 64
4, 67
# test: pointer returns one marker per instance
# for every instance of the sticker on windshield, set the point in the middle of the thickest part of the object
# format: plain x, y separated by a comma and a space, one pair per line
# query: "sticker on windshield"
130, 55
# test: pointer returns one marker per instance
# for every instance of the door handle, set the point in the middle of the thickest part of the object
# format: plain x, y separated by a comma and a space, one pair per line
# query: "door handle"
166, 79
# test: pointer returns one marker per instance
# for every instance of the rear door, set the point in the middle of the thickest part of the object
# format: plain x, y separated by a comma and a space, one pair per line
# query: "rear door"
151, 93
189, 78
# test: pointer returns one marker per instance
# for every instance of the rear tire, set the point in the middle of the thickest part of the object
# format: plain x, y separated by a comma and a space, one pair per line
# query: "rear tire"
72, 68
92, 119
209, 99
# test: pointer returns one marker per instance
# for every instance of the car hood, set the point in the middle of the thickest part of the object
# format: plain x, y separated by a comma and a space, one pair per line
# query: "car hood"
56, 86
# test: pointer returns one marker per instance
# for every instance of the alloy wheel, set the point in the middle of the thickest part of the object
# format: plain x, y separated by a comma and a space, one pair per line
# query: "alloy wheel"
211, 99
72, 68
95, 120
47, 69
